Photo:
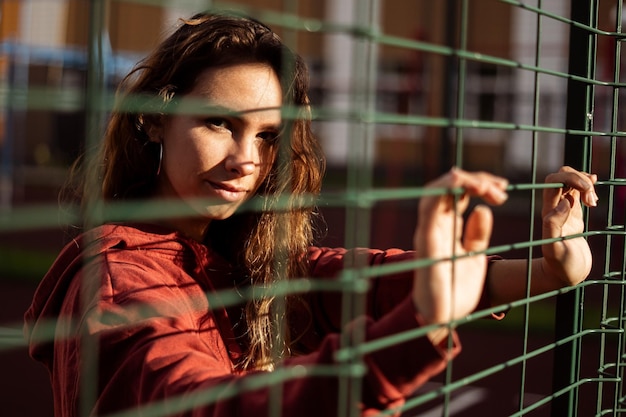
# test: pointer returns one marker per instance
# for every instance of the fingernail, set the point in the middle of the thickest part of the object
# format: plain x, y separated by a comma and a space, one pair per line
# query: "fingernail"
591, 199
501, 194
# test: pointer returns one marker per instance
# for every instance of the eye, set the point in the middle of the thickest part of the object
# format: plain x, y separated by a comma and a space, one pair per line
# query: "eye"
218, 123
269, 136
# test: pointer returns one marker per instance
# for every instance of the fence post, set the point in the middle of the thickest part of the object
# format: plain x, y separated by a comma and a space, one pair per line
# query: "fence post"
579, 118
94, 93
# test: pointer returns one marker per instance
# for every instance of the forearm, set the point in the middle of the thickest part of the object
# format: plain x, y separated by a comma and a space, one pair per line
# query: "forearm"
507, 280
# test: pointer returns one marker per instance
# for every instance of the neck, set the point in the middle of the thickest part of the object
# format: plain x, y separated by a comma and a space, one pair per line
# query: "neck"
193, 228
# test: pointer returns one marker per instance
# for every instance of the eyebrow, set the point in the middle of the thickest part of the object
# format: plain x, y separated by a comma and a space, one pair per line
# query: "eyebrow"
192, 106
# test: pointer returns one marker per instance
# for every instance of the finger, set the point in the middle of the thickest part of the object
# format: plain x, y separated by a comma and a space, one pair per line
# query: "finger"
478, 229
456, 203
554, 220
487, 186
578, 184
442, 203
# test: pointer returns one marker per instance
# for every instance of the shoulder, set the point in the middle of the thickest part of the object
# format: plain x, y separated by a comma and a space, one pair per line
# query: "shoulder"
121, 241
127, 256
110, 266
126, 236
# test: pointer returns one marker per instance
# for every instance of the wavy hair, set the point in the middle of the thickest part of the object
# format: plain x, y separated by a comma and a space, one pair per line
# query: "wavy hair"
270, 243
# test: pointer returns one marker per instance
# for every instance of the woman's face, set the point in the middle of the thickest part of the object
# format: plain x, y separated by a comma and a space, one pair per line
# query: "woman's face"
213, 160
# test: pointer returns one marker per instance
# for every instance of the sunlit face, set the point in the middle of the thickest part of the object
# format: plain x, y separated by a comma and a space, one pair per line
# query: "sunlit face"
214, 161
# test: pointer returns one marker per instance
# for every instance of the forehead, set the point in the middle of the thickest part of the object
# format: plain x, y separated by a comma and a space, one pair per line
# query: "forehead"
250, 87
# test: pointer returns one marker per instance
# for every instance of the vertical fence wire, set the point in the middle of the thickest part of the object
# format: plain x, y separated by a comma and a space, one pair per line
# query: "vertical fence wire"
612, 368
454, 109
359, 184
532, 201
279, 308
94, 99
577, 153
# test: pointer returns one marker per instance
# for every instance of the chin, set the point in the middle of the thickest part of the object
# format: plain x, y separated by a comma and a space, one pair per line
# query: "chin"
218, 216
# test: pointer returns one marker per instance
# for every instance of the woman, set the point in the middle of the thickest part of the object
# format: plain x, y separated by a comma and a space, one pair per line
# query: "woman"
141, 306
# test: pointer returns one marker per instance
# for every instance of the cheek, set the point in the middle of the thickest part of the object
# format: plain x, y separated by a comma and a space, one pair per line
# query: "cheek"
189, 152
181, 160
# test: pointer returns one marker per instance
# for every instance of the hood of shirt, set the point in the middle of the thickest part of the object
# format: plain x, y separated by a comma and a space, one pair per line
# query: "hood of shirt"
41, 318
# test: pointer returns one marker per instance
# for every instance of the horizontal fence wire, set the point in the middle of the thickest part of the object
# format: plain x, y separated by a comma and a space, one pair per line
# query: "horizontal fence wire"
592, 333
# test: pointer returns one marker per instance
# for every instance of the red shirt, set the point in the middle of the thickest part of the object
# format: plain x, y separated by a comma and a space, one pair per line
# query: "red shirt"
153, 314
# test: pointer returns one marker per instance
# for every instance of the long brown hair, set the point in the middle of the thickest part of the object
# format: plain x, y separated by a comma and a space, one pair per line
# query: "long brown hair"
269, 243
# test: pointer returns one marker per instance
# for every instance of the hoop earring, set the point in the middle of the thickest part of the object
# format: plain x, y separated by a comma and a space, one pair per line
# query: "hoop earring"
160, 158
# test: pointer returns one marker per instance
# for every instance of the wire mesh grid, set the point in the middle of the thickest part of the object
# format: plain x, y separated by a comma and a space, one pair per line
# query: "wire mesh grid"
464, 97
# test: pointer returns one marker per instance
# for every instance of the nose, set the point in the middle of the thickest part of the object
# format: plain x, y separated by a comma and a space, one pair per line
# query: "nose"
243, 158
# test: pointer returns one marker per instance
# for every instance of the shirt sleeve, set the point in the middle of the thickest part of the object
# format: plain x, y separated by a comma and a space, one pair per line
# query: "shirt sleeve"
394, 372
385, 292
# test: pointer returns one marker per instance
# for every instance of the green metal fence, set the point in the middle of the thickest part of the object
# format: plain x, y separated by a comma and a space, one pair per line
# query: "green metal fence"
557, 354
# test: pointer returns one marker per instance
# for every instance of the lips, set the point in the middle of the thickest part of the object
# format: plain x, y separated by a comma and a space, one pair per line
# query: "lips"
227, 191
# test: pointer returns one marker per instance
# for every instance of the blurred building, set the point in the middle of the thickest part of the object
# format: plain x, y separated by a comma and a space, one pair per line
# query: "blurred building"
44, 70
